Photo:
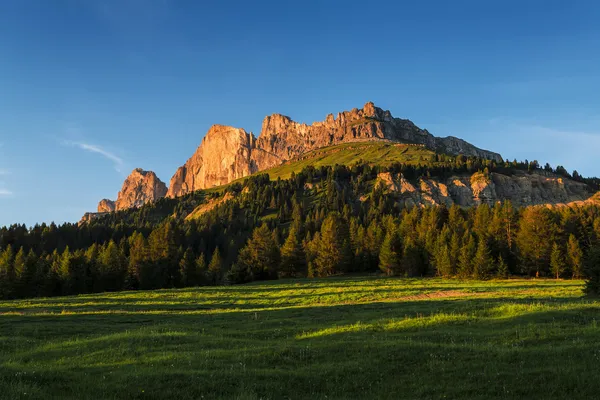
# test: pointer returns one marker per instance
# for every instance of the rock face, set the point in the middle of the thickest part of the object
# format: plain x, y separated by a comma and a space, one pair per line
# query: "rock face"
224, 155
522, 189
106, 206
139, 188
228, 153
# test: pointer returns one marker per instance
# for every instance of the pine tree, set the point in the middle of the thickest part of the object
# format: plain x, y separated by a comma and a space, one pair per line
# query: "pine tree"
557, 262
441, 259
467, 254
412, 260
334, 253
390, 254
201, 270
482, 263
261, 254
575, 257
187, 269
215, 267
592, 271
293, 258
7, 273
502, 268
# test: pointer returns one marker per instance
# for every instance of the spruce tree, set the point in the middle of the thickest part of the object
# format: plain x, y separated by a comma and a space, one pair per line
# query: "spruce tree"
467, 254
502, 268
557, 262
482, 263
390, 255
293, 258
201, 270
187, 269
261, 254
575, 257
592, 271
215, 267
334, 254
442, 261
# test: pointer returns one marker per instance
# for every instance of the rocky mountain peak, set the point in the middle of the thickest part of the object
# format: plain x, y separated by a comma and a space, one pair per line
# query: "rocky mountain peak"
139, 188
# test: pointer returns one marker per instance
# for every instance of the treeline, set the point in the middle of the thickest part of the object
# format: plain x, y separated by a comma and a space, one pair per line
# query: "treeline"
320, 222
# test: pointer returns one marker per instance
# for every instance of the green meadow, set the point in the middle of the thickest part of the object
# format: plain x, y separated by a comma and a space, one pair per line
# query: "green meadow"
338, 338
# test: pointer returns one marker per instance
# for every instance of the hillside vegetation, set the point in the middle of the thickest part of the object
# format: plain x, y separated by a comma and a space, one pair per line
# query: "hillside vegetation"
351, 338
372, 153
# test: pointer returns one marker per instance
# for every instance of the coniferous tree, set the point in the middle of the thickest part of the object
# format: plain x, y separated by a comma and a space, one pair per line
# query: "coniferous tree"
502, 268
202, 270
293, 258
187, 269
261, 254
442, 261
467, 255
592, 271
575, 257
334, 253
482, 263
390, 255
7, 273
557, 262
215, 268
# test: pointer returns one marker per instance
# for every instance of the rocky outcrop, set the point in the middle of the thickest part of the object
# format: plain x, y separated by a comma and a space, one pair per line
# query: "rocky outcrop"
89, 217
224, 155
106, 206
139, 188
227, 153
288, 139
522, 189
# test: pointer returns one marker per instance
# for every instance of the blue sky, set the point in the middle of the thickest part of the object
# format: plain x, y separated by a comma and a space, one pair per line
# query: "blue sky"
90, 89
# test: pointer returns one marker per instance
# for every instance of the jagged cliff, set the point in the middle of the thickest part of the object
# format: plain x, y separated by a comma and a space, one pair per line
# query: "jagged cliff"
227, 153
224, 155
139, 188
522, 189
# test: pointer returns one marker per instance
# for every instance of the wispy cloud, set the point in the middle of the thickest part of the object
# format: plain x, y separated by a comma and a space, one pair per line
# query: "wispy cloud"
5, 193
4, 172
92, 148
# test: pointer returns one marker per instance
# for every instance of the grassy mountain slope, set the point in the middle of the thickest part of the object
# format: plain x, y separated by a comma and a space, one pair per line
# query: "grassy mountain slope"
374, 153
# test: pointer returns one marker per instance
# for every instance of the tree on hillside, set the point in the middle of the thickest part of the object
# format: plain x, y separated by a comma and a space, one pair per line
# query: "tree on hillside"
557, 262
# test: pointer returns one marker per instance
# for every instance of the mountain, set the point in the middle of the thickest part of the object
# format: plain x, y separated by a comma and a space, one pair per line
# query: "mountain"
228, 153
139, 188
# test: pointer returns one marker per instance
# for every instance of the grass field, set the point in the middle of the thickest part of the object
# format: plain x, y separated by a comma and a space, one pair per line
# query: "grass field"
343, 338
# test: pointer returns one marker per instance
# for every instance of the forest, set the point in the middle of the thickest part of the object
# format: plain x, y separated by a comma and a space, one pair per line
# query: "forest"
321, 222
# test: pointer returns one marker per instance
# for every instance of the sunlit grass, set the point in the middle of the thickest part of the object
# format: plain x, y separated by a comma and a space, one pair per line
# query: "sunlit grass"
353, 337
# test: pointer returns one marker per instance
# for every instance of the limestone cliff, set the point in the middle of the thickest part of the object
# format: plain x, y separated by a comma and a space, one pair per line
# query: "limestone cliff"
227, 153
522, 189
106, 206
224, 155
139, 188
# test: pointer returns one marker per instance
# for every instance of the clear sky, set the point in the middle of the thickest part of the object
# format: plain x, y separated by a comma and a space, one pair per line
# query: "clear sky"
90, 89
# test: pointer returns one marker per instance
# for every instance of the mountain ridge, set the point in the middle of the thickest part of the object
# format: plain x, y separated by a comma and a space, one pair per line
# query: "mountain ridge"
227, 153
